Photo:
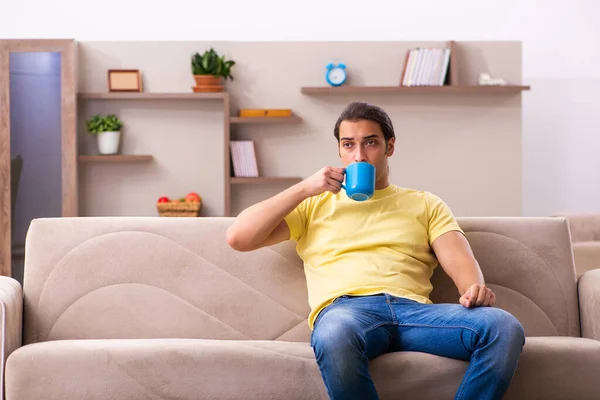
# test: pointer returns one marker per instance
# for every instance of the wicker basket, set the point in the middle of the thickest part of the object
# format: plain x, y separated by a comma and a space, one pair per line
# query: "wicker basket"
182, 209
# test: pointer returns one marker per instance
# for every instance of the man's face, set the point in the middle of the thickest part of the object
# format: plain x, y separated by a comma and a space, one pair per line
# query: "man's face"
363, 141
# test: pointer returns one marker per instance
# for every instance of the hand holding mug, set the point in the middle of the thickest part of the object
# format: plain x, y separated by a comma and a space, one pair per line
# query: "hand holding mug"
326, 179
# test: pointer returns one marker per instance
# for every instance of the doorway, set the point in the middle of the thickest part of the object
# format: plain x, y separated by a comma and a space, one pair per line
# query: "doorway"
38, 169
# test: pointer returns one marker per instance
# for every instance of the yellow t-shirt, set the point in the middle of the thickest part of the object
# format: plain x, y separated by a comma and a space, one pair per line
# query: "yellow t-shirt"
381, 245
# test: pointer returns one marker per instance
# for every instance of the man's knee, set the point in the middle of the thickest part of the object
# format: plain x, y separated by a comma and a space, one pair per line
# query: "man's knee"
338, 342
503, 327
336, 330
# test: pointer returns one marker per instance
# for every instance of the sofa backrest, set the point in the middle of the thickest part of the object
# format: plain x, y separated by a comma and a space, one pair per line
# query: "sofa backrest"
584, 227
528, 262
146, 277
151, 277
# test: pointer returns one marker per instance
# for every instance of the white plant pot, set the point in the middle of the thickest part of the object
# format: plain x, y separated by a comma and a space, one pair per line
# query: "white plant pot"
108, 142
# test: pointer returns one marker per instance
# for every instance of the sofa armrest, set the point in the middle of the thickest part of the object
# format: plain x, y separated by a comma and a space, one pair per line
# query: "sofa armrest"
11, 321
589, 304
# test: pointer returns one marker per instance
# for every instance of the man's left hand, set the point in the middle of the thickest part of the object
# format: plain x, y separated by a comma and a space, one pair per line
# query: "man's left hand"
478, 296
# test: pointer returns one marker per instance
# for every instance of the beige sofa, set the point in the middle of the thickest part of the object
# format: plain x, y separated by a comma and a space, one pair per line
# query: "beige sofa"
585, 238
162, 308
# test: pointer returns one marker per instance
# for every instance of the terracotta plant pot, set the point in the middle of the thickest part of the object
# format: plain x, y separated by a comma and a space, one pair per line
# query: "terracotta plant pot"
208, 83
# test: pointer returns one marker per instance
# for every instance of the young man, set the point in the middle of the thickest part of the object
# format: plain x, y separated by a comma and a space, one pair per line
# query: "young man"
368, 267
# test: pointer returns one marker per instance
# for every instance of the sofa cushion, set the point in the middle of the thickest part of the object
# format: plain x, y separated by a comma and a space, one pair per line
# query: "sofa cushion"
163, 369
550, 368
558, 368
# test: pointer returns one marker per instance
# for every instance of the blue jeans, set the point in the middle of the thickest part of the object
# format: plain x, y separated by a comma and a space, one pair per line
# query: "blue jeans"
355, 329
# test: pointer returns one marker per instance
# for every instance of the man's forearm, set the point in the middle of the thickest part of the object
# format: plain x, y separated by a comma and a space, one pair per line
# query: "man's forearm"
469, 274
253, 225
456, 257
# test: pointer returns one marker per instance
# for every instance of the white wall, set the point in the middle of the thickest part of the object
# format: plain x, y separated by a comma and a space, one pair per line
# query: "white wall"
561, 58
438, 138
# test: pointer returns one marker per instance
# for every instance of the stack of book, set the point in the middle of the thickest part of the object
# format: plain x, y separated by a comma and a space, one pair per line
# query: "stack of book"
425, 67
243, 158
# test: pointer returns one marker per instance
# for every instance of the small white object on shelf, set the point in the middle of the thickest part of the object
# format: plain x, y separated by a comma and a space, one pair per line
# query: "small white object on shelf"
108, 142
487, 80
244, 158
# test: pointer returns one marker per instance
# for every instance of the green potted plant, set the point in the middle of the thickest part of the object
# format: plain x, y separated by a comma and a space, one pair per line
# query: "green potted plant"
210, 70
107, 130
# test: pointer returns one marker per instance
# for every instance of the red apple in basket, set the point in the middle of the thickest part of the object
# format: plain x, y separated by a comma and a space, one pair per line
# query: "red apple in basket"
193, 197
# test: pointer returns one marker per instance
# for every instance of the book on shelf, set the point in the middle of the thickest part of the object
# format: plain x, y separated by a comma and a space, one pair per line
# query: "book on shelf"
243, 158
425, 67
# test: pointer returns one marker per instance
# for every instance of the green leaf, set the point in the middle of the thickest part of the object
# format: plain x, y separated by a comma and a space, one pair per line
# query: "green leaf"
205, 61
211, 63
97, 124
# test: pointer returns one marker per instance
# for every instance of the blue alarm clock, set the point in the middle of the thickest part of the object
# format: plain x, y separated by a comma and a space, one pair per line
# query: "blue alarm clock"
335, 74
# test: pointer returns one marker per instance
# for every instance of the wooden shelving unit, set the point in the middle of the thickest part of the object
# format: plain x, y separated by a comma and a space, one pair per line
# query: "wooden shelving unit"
294, 119
265, 179
114, 158
260, 180
452, 86
147, 96
455, 89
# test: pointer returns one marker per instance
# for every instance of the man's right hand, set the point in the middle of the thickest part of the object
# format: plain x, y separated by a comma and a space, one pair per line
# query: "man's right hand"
326, 179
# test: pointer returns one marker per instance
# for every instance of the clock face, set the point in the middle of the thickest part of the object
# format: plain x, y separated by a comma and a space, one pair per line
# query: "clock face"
336, 75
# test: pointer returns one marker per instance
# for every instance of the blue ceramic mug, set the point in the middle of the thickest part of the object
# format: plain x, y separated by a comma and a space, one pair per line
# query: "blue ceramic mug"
360, 181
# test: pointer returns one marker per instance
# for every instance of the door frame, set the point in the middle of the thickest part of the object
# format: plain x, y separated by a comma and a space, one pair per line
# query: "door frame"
68, 76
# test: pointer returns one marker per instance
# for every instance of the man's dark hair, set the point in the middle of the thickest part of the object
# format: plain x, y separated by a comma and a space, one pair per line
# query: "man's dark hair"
363, 111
